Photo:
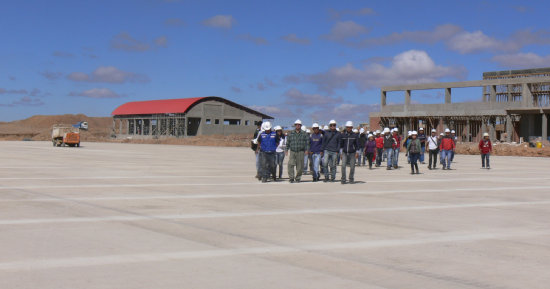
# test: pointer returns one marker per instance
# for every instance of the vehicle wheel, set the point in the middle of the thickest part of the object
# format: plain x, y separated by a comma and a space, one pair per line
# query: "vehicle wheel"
78, 145
63, 144
53, 142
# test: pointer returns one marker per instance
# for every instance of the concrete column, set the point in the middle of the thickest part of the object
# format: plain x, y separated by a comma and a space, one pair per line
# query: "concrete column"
186, 126
448, 95
509, 128
492, 130
493, 93
544, 126
468, 133
383, 98
151, 126
483, 126
509, 90
526, 95
407, 97
127, 126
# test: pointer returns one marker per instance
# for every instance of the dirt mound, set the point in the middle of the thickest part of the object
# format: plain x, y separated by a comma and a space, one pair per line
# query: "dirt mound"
238, 140
506, 149
39, 127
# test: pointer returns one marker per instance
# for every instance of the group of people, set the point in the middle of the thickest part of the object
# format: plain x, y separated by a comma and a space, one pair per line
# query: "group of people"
324, 148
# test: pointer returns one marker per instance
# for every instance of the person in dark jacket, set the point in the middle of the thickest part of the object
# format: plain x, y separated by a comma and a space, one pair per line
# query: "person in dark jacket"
414, 149
422, 138
349, 144
268, 141
316, 150
485, 148
331, 148
389, 143
362, 142
370, 148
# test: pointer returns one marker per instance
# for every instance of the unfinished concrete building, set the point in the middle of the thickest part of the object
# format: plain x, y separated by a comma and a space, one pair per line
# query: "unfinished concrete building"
514, 104
184, 117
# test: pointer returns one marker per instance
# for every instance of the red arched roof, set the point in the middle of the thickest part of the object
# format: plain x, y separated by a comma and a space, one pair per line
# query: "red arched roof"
180, 105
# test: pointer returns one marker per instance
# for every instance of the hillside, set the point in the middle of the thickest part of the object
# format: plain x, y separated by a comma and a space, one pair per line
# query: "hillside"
39, 127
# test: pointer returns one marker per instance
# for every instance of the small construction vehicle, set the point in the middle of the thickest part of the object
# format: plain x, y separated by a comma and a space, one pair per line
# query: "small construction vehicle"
63, 135
83, 125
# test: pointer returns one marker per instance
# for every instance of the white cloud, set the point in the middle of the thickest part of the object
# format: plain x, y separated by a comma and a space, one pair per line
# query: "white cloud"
344, 30
295, 97
344, 112
253, 39
108, 74
409, 67
220, 21
522, 60
97, 93
274, 110
124, 41
477, 41
295, 39
337, 14
439, 33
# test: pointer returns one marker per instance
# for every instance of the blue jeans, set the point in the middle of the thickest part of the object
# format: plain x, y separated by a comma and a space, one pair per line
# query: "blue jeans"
485, 157
279, 158
379, 153
258, 168
306, 158
316, 160
359, 155
452, 156
329, 161
348, 157
395, 157
267, 161
422, 151
389, 153
446, 158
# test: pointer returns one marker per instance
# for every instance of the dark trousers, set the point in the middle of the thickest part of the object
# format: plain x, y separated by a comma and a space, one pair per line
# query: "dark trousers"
267, 162
415, 157
369, 156
433, 158
379, 153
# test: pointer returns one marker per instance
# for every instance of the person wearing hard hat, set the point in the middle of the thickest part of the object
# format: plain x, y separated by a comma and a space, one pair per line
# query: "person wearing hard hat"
280, 151
267, 145
307, 157
349, 144
389, 143
422, 137
485, 148
298, 144
413, 149
439, 139
453, 136
254, 147
446, 147
331, 147
396, 147
379, 148
433, 149
406, 143
370, 149
361, 147
315, 151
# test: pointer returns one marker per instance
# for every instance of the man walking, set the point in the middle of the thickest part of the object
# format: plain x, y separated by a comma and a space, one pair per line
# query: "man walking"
349, 144
361, 147
379, 148
447, 146
396, 147
316, 150
388, 147
268, 142
298, 145
422, 138
433, 149
331, 147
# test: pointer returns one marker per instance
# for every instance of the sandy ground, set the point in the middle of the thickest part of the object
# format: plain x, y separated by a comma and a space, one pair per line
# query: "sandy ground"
111, 215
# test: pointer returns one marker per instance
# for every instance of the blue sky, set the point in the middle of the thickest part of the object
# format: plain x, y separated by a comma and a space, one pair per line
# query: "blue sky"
315, 60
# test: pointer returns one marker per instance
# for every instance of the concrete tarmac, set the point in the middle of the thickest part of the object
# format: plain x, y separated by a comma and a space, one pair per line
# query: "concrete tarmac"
109, 215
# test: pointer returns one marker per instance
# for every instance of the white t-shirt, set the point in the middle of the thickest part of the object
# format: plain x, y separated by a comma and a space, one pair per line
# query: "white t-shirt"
282, 145
432, 142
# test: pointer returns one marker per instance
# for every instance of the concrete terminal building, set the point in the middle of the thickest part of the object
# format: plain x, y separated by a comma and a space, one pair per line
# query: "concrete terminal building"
514, 104
184, 117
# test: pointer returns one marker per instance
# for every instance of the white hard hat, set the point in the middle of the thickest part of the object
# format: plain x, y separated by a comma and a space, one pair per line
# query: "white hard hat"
409, 133
332, 121
414, 132
362, 130
325, 127
267, 125
447, 130
349, 123
308, 131
355, 130
421, 128
453, 131
337, 129
386, 130
315, 125
441, 134
395, 129
304, 128
369, 135
485, 134
298, 122
433, 130
377, 131
278, 128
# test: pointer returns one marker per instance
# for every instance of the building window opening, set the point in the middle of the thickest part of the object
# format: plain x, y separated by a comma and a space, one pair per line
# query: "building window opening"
208, 121
232, 122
